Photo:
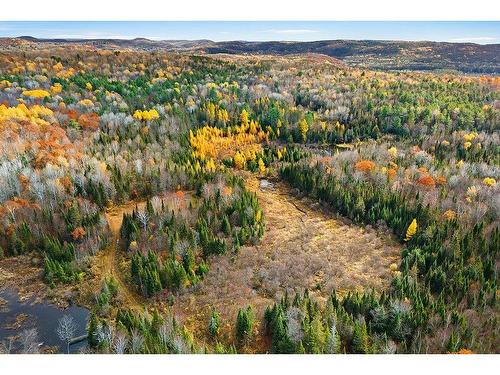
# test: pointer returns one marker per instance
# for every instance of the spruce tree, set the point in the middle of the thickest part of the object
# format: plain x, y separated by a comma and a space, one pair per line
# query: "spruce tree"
214, 323
360, 338
244, 324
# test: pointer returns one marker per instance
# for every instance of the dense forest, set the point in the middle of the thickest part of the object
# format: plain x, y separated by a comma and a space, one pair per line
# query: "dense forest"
127, 175
464, 57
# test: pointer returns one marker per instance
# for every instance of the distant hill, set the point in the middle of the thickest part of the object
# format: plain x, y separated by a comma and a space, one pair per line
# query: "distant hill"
386, 55
392, 55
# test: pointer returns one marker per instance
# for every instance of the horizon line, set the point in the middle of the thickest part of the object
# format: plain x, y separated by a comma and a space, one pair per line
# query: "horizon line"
124, 38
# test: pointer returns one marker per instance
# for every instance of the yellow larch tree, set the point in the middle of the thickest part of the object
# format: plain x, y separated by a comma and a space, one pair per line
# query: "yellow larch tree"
262, 166
303, 128
412, 229
239, 160
244, 118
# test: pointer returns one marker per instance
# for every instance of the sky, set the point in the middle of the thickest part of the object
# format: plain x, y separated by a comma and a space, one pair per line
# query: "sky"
480, 32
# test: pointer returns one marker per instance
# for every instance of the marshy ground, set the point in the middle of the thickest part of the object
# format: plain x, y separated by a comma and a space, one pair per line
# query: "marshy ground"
304, 246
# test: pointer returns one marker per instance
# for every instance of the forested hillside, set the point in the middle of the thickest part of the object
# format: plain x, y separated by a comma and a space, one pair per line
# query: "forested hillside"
468, 58
253, 204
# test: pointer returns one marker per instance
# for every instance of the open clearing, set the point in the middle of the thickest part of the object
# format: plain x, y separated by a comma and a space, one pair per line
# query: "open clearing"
304, 246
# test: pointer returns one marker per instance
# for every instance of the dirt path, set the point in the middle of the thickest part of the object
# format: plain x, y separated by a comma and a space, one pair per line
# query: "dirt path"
304, 246
109, 260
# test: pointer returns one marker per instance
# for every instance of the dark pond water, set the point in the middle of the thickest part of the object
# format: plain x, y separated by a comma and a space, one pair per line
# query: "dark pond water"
42, 316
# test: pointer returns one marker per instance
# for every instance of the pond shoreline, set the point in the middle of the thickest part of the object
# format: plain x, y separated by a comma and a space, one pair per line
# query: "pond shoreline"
36, 319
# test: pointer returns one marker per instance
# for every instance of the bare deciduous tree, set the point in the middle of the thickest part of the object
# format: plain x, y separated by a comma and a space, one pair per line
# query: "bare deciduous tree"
6, 346
120, 343
66, 329
142, 216
156, 202
137, 341
165, 332
105, 335
29, 341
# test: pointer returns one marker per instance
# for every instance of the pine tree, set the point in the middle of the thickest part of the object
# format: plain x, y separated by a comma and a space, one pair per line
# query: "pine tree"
149, 208
315, 335
360, 338
214, 323
226, 226
244, 324
188, 261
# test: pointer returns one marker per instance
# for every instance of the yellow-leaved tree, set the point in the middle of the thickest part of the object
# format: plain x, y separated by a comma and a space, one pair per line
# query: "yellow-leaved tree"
303, 128
239, 160
244, 118
412, 229
37, 94
152, 114
262, 166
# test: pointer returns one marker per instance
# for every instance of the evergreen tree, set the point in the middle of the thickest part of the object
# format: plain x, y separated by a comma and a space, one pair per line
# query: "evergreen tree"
360, 343
214, 323
244, 324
